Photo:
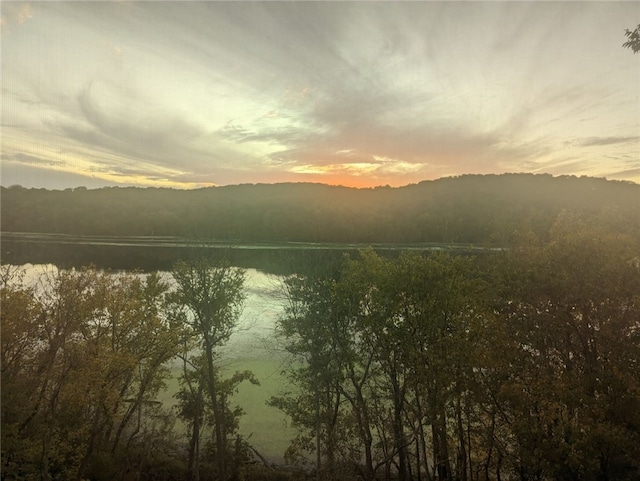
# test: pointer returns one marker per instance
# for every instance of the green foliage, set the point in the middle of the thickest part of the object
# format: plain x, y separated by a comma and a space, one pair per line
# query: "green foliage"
211, 298
371, 342
83, 360
208, 300
82, 363
569, 386
523, 364
633, 39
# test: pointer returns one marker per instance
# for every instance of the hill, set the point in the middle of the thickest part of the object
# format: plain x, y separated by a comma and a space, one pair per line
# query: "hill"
477, 209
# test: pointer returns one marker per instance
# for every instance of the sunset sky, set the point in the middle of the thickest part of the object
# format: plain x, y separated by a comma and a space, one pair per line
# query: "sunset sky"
188, 94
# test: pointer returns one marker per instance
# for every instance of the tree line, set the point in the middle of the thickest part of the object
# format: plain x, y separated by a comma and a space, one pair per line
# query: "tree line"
522, 366
467, 209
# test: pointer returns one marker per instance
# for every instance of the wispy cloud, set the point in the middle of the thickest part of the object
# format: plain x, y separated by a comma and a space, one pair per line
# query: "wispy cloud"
32, 160
14, 14
596, 141
164, 93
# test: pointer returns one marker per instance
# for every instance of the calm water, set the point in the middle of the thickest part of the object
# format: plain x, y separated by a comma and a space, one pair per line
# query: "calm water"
161, 253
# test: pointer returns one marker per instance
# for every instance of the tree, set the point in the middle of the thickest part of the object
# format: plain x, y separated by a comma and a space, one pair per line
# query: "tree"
633, 39
308, 335
390, 337
82, 358
565, 351
209, 299
439, 297
381, 339
195, 407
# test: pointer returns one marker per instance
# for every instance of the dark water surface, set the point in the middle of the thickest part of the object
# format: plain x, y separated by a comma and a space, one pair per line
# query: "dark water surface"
161, 253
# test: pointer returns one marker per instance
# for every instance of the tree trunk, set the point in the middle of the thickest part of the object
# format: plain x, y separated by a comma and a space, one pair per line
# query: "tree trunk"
491, 442
398, 427
462, 452
217, 414
44, 470
95, 430
193, 467
362, 418
318, 456
423, 440
418, 467
440, 448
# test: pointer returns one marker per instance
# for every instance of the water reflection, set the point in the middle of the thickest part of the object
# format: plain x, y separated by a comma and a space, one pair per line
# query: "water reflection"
253, 338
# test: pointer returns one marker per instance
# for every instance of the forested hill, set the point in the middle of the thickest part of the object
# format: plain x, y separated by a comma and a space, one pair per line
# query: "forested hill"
477, 209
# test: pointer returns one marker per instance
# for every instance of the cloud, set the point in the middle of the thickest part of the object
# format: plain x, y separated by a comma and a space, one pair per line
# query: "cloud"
360, 165
596, 141
24, 13
33, 160
630, 174
285, 133
16, 13
38, 177
216, 92
122, 120
112, 49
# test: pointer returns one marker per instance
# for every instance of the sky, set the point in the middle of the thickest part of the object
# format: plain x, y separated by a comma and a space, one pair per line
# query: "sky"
189, 94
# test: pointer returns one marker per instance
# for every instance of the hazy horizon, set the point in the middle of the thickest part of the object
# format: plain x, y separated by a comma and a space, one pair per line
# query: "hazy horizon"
362, 94
297, 182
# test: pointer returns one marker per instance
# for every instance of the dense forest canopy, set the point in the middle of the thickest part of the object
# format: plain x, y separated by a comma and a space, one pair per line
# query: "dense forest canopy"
487, 209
